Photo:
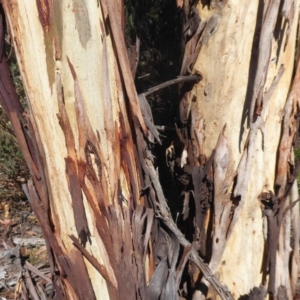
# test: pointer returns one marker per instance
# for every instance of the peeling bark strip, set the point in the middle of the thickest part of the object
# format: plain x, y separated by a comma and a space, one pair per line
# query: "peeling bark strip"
222, 203
288, 133
30, 147
44, 13
134, 55
275, 212
142, 221
53, 247
124, 251
28, 142
111, 7
259, 100
72, 168
77, 200
286, 174
265, 43
106, 93
127, 163
100, 267
288, 11
126, 259
93, 161
89, 149
295, 260
11, 104
42, 217
196, 33
77, 273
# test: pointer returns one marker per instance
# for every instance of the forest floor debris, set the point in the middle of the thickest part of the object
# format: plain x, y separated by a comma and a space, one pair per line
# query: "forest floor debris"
24, 269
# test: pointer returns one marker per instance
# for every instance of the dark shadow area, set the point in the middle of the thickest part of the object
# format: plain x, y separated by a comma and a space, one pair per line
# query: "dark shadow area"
158, 25
279, 33
202, 288
257, 293
264, 265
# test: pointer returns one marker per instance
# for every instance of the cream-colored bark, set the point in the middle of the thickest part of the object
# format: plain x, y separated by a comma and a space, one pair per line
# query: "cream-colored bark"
221, 98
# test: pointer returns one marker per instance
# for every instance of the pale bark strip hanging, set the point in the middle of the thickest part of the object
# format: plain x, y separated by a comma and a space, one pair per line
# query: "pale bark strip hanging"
257, 104
109, 9
287, 172
288, 134
73, 169
222, 205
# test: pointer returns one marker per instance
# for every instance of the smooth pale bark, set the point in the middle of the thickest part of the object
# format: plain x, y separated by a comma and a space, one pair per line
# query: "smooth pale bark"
226, 63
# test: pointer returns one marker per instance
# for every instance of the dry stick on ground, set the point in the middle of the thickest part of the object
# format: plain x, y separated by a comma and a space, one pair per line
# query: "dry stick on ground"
33, 269
30, 286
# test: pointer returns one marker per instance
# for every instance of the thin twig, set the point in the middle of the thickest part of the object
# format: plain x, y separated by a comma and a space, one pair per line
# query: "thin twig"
291, 206
30, 286
33, 269
173, 81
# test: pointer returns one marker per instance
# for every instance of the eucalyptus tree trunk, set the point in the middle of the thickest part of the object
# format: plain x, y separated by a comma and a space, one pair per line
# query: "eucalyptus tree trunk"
243, 115
77, 141
86, 137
